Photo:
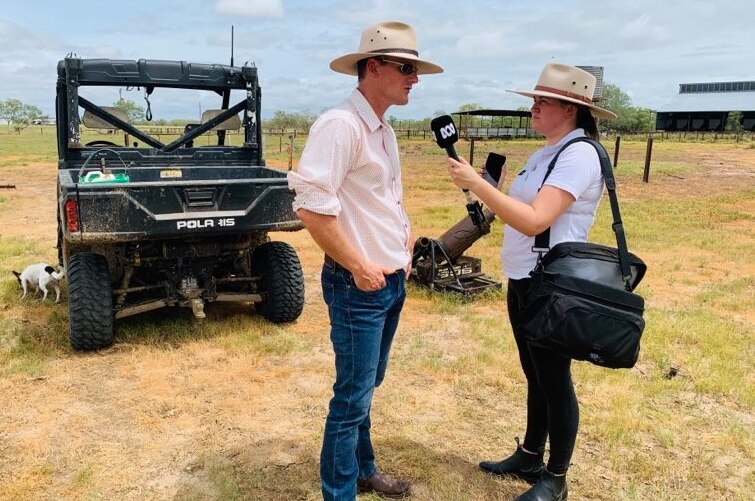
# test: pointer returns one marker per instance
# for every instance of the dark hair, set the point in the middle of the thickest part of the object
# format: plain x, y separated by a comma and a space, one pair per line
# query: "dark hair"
586, 121
362, 68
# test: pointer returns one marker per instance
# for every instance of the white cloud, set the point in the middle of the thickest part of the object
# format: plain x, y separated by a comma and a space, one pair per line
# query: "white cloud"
646, 46
553, 47
643, 29
482, 45
251, 8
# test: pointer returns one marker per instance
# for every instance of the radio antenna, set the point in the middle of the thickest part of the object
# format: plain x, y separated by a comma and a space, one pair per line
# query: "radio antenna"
231, 45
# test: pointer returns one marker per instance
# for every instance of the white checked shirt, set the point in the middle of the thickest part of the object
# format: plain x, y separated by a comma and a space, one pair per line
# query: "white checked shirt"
350, 169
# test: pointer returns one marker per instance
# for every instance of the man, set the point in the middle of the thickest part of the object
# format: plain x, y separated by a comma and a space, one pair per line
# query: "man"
349, 197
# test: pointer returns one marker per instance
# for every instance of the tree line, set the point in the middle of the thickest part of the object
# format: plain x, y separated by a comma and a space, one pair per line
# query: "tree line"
631, 119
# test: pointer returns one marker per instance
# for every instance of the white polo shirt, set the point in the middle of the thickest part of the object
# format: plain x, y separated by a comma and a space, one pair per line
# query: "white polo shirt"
350, 169
577, 171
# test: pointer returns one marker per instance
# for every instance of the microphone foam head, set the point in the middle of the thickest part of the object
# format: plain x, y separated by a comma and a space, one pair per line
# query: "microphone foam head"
444, 131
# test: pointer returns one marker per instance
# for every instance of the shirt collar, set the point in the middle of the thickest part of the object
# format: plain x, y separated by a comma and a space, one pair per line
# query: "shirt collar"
578, 132
365, 111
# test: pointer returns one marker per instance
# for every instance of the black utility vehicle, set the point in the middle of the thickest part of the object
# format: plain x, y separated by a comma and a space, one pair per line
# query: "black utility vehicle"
150, 217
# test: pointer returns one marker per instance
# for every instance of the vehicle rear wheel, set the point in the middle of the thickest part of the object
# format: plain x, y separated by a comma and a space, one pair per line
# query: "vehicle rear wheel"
282, 281
90, 302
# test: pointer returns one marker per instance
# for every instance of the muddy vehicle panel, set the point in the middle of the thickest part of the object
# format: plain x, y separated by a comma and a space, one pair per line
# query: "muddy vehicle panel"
148, 219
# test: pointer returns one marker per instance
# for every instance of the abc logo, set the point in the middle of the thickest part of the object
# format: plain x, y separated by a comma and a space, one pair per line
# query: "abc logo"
448, 131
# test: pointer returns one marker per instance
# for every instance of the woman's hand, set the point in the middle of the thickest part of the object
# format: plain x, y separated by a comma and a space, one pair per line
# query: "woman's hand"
463, 175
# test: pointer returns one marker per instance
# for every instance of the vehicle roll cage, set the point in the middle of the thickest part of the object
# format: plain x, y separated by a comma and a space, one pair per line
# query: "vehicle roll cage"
74, 72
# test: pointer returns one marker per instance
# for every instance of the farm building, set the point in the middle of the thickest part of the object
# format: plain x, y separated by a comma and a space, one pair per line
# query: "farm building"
706, 107
490, 124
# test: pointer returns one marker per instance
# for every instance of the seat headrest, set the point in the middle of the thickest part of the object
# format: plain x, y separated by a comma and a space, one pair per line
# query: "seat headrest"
95, 122
233, 123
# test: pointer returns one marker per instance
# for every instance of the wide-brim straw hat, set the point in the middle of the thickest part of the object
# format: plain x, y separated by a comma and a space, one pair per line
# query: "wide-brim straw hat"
391, 39
567, 83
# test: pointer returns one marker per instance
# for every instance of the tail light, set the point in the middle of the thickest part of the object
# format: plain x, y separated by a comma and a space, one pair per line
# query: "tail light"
72, 216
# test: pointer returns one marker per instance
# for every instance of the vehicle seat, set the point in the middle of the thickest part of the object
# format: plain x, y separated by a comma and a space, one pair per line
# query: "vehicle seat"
95, 122
233, 123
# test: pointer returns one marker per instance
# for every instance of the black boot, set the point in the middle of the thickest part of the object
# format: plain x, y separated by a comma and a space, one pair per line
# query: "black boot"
521, 464
550, 488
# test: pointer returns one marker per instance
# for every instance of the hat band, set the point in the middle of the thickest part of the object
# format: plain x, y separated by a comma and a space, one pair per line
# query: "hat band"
564, 93
405, 51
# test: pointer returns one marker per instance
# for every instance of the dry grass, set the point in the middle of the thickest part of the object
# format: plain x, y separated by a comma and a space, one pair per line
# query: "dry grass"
232, 408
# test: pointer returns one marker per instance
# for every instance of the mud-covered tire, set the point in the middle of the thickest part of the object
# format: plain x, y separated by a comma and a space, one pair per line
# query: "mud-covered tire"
282, 280
90, 302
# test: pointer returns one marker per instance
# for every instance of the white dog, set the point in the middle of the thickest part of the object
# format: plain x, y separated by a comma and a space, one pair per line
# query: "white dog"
41, 275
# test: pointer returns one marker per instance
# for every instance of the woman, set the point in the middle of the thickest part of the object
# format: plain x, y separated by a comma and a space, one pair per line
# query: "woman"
562, 110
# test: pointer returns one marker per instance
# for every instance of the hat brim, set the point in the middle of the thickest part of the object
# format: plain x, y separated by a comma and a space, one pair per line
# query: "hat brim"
348, 64
596, 111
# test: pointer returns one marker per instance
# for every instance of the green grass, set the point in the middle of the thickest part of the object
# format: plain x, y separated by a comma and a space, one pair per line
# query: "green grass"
14, 250
28, 349
235, 328
34, 144
37, 144
454, 392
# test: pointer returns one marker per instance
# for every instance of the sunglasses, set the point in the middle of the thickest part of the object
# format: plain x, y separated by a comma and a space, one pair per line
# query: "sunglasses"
405, 68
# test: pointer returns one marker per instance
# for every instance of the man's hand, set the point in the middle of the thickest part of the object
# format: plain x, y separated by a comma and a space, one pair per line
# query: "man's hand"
410, 249
328, 234
370, 277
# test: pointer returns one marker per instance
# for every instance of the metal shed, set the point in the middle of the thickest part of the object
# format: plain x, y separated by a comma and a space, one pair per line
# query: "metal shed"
492, 124
706, 107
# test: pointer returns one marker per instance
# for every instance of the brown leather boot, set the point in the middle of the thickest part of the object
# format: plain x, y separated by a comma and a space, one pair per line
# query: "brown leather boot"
385, 486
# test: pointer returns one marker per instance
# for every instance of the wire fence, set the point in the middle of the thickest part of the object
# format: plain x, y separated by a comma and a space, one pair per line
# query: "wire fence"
492, 133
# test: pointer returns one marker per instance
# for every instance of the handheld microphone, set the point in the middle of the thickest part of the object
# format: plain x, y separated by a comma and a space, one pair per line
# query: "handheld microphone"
445, 134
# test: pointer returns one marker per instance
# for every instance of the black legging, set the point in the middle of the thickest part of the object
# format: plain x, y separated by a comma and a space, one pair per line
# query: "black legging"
552, 407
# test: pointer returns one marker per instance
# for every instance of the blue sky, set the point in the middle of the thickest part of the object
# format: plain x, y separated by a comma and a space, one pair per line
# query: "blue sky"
647, 47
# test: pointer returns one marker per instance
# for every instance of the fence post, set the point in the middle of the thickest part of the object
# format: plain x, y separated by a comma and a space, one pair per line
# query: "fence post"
290, 151
616, 151
648, 154
280, 143
471, 151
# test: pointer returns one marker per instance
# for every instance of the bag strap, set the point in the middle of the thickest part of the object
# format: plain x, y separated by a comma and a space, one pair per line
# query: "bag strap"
542, 241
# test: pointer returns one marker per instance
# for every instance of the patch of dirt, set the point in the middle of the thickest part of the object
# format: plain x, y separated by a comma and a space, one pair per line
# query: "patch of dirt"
714, 172
30, 208
194, 420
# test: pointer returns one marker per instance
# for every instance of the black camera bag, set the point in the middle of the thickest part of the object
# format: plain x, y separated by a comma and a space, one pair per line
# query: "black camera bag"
580, 302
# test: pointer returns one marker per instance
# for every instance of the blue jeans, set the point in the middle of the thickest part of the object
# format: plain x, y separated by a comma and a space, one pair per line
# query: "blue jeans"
362, 329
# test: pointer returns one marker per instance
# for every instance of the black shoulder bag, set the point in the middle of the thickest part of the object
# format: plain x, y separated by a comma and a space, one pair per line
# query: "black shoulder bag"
581, 303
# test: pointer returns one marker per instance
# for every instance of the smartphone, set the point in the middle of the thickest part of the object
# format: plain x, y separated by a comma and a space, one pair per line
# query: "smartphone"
494, 168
